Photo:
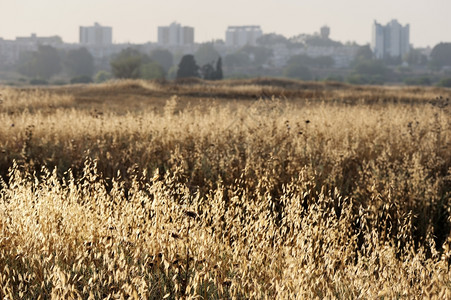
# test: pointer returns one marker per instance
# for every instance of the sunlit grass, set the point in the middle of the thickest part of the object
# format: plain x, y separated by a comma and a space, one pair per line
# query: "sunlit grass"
345, 194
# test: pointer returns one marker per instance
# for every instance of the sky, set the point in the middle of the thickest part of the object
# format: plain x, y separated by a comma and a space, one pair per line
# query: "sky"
136, 21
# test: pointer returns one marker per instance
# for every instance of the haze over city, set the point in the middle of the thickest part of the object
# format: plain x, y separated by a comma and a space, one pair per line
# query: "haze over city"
136, 21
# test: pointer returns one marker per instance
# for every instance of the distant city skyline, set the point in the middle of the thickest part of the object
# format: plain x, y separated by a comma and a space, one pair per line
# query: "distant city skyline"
136, 21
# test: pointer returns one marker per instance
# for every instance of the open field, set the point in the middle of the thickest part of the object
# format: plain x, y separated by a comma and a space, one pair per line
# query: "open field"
247, 189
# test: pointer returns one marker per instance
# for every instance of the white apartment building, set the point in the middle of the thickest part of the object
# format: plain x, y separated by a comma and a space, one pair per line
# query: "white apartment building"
391, 40
96, 35
175, 35
11, 50
238, 36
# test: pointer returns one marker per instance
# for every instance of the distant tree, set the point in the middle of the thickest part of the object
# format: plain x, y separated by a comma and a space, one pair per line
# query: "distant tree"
415, 57
258, 55
418, 81
323, 62
172, 73
151, 70
445, 82
369, 72
163, 57
271, 39
211, 73
79, 62
318, 41
371, 67
392, 60
81, 79
188, 67
300, 59
102, 76
363, 53
205, 54
43, 63
27, 64
441, 55
237, 59
208, 72
219, 75
127, 63
311, 62
298, 71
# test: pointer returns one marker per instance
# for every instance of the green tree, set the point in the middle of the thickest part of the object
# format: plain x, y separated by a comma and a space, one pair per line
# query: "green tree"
163, 57
219, 74
151, 70
127, 63
188, 67
102, 76
79, 62
81, 79
369, 72
441, 55
211, 73
418, 81
172, 73
205, 54
445, 82
43, 63
208, 72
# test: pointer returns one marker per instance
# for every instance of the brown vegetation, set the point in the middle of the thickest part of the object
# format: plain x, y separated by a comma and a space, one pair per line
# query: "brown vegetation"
236, 189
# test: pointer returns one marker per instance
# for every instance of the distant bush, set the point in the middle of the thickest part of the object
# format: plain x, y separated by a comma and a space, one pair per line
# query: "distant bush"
337, 78
81, 79
102, 76
38, 81
445, 82
151, 70
298, 71
418, 81
59, 82
365, 79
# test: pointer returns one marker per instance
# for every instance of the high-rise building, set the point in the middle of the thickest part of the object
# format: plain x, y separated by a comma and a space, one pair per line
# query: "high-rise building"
175, 35
391, 40
242, 35
96, 35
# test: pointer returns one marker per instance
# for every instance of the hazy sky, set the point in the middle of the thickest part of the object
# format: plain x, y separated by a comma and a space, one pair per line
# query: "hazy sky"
136, 21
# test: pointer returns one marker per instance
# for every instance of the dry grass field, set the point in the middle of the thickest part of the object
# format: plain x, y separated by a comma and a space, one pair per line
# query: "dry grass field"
251, 189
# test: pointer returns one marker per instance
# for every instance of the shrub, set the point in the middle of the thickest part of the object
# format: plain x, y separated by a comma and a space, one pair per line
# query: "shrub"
445, 82
81, 79
103, 76
38, 81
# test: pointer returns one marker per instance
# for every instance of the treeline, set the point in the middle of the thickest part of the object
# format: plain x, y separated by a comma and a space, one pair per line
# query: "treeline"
79, 65
130, 63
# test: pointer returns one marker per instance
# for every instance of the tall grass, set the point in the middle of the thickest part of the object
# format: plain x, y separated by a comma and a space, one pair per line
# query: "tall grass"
322, 197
